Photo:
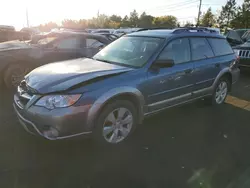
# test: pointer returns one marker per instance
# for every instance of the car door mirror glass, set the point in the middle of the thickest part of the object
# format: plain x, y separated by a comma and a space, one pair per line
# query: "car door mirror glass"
164, 63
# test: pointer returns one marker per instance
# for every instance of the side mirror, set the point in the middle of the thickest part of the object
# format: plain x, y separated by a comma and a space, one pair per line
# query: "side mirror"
164, 63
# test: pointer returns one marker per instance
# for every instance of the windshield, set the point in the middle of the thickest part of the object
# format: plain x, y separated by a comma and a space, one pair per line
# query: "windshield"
129, 51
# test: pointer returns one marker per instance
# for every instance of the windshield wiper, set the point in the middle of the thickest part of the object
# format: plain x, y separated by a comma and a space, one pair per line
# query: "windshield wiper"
106, 61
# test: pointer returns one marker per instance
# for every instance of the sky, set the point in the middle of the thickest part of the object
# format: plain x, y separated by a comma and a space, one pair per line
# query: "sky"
13, 12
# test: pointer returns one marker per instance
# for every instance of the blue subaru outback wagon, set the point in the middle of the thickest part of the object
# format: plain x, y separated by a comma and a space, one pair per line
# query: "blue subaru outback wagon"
135, 76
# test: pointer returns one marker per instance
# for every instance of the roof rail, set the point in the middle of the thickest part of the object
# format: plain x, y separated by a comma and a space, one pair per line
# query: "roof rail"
71, 29
193, 29
153, 28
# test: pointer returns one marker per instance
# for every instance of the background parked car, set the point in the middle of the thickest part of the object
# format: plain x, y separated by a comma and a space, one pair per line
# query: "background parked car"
103, 31
243, 51
30, 31
238, 36
8, 33
18, 58
123, 31
109, 36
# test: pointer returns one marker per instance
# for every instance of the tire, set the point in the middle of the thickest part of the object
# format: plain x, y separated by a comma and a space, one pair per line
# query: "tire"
117, 130
222, 83
1, 82
14, 74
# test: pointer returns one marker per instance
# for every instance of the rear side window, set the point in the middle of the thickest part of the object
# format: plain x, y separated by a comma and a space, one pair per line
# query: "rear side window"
93, 43
200, 49
220, 46
68, 43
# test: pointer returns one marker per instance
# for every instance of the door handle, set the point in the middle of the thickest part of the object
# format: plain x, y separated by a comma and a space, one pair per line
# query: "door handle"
188, 71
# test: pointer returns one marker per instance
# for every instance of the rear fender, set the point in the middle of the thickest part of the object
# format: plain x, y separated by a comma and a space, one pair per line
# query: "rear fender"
220, 75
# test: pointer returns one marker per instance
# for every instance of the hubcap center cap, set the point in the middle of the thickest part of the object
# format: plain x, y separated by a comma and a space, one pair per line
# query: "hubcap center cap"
118, 124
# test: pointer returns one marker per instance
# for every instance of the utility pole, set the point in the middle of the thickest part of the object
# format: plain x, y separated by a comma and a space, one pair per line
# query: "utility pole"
199, 13
27, 17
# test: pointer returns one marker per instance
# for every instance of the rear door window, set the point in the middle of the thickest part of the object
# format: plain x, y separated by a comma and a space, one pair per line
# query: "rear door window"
200, 49
93, 43
220, 46
68, 43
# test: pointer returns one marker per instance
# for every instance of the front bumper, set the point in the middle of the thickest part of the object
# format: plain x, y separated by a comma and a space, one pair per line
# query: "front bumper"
53, 124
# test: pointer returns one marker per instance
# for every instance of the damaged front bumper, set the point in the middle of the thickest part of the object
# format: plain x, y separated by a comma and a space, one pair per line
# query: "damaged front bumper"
53, 124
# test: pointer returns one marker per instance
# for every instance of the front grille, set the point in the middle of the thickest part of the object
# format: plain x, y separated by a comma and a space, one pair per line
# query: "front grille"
24, 93
244, 53
23, 101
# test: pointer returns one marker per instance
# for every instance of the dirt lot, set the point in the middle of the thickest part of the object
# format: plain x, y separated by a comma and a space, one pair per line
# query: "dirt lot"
189, 146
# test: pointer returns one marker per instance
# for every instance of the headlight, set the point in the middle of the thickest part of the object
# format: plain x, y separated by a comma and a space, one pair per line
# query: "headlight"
57, 101
236, 51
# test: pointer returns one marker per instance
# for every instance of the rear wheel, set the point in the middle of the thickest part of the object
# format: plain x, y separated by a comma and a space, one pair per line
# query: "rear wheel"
221, 91
15, 74
115, 123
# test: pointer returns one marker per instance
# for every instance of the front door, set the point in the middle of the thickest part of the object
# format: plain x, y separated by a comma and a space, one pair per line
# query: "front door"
172, 85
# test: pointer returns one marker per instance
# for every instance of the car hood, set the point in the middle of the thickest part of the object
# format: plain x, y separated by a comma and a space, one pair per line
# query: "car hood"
61, 76
246, 46
13, 45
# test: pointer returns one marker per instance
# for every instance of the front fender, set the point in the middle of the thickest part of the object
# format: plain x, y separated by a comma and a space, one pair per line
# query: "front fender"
115, 92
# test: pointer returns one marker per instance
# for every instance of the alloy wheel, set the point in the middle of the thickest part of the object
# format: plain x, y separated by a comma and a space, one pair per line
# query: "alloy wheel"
221, 92
117, 125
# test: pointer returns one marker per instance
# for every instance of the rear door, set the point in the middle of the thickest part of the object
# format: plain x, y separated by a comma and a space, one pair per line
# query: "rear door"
209, 58
206, 66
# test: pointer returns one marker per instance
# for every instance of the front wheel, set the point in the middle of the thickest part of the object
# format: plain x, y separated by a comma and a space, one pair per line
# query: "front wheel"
115, 123
15, 74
